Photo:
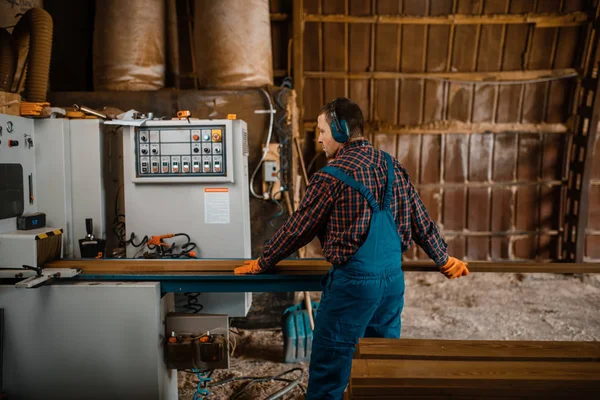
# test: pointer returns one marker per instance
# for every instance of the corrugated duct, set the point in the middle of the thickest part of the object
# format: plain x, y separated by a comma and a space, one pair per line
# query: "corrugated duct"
34, 32
8, 60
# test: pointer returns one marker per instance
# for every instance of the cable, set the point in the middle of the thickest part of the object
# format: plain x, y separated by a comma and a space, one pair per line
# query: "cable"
192, 303
253, 380
278, 204
266, 149
203, 378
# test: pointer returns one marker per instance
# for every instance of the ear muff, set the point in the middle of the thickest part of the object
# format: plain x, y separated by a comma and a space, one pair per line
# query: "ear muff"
339, 129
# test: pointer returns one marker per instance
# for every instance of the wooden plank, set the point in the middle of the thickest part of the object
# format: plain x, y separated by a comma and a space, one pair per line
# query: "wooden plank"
358, 53
427, 377
527, 207
457, 127
298, 44
386, 58
504, 163
542, 20
413, 52
478, 199
481, 350
488, 78
318, 266
334, 53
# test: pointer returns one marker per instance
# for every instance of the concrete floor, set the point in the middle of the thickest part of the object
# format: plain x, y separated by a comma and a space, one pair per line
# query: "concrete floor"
484, 306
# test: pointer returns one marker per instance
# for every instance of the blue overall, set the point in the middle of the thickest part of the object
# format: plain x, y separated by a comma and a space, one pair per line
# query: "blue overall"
362, 298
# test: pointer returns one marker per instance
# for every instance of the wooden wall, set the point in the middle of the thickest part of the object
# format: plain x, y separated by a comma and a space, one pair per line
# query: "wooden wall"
487, 158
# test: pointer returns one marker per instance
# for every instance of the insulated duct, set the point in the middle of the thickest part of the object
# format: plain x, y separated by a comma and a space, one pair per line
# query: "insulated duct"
129, 45
8, 60
233, 43
34, 32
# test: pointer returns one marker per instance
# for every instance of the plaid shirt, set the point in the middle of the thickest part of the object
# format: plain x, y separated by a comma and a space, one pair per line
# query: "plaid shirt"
340, 216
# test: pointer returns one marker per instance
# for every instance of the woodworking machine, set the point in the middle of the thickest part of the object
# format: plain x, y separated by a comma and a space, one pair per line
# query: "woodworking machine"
121, 332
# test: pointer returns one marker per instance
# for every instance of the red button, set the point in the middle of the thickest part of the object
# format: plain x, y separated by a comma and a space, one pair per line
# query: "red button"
196, 137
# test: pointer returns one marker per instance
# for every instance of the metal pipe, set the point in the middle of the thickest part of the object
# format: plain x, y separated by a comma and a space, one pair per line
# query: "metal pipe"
87, 110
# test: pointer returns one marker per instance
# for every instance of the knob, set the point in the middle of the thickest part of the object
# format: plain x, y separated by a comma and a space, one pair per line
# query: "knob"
196, 149
144, 151
154, 151
217, 150
144, 138
206, 150
13, 143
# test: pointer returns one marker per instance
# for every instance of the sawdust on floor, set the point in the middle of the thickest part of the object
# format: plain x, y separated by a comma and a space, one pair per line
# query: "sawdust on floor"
484, 306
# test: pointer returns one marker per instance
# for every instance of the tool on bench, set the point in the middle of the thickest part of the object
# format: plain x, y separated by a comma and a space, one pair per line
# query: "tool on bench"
90, 247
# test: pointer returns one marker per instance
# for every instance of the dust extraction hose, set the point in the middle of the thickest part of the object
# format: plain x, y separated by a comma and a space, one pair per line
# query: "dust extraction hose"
8, 60
37, 24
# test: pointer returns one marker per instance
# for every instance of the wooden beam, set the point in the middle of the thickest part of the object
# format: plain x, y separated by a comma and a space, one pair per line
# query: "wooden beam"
481, 350
278, 17
311, 266
298, 43
452, 379
487, 78
458, 127
539, 20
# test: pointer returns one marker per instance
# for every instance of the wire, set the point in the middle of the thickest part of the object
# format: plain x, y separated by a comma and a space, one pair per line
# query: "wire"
192, 302
278, 204
203, 378
266, 148
253, 380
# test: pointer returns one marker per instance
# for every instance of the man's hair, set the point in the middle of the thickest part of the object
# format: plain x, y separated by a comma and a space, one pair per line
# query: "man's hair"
347, 110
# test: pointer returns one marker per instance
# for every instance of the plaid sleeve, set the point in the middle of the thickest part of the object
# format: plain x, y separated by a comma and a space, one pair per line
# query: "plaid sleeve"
303, 224
424, 230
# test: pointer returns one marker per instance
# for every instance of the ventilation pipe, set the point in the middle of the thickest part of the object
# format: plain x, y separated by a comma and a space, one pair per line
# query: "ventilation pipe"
8, 60
33, 35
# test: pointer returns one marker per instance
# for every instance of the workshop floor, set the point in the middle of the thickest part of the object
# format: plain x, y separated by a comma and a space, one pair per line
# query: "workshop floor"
481, 306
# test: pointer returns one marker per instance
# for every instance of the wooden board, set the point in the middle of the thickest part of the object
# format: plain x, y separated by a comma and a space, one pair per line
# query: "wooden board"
481, 350
448, 378
307, 265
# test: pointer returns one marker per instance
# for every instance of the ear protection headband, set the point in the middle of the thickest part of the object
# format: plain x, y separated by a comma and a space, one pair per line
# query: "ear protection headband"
339, 127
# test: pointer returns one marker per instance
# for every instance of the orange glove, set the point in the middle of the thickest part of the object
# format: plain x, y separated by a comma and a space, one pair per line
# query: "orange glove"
454, 268
249, 267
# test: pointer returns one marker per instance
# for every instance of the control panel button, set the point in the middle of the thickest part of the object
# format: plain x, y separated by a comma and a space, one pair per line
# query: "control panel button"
196, 167
186, 167
13, 143
196, 138
206, 167
206, 150
154, 167
196, 150
205, 135
143, 137
217, 166
175, 167
216, 135
144, 151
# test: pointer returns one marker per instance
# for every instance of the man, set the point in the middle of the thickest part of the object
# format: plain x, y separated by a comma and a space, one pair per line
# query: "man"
366, 212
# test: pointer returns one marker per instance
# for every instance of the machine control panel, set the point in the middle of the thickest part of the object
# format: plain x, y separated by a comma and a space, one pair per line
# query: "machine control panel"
181, 151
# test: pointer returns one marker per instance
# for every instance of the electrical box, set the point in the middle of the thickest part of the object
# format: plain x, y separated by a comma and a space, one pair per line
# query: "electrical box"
190, 178
270, 171
197, 341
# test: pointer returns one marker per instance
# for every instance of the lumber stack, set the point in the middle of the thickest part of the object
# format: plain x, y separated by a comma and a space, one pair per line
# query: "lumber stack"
437, 369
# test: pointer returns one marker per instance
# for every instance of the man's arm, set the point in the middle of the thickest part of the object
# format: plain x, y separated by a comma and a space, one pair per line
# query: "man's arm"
303, 224
424, 230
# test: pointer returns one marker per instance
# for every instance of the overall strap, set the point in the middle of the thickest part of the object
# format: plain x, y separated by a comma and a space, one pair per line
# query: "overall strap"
390, 181
353, 184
